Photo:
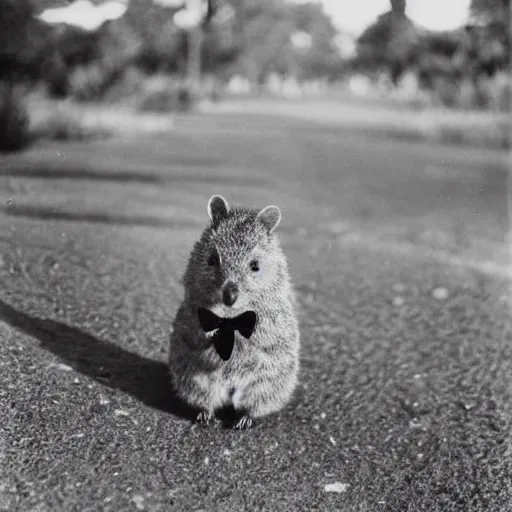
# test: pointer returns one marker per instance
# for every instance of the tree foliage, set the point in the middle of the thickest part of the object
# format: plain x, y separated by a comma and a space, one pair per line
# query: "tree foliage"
248, 37
322, 57
457, 58
15, 19
391, 42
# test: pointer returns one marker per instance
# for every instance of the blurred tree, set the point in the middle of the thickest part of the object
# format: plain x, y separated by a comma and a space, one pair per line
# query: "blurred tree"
318, 55
434, 58
222, 37
15, 19
162, 44
264, 37
488, 37
264, 42
498, 10
390, 43
450, 63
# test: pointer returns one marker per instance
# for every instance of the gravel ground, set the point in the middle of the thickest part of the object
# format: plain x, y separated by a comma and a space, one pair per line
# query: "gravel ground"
399, 254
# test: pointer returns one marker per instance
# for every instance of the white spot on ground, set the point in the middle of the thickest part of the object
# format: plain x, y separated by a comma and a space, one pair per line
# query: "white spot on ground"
139, 501
332, 440
337, 487
440, 293
64, 367
121, 412
398, 301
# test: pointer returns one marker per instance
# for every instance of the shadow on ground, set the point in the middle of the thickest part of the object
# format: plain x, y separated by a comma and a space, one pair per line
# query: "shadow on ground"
81, 174
46, 213
207, 175
105, 362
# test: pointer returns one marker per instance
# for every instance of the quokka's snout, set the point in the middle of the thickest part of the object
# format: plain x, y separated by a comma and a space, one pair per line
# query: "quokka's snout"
230, 293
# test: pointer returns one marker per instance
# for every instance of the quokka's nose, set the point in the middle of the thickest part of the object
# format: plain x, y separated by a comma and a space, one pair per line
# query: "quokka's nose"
230, 294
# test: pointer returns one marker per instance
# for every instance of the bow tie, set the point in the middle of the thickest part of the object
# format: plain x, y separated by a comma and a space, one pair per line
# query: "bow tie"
224, 338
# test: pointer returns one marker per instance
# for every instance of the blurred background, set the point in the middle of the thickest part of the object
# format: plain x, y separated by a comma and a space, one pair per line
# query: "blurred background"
382, 131
65, 64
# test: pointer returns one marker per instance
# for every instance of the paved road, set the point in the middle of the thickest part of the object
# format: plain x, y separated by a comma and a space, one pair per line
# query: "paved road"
399, 255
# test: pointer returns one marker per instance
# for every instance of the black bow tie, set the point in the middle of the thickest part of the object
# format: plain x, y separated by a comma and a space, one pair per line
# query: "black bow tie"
224, 338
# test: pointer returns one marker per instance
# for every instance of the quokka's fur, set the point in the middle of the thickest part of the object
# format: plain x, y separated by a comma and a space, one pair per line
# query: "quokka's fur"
262, 372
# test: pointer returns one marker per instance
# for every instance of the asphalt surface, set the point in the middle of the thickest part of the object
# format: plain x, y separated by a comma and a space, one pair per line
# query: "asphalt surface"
399, 254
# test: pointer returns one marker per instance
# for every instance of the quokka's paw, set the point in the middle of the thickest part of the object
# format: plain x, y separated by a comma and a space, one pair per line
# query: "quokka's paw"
244, 423
204, 418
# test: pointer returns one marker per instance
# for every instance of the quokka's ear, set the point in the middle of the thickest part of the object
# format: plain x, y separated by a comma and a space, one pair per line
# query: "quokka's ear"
270, 216
218, 209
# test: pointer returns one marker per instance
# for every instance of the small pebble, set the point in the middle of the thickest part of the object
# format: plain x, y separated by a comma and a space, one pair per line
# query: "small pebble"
398, 301
139, 501
121, 412
336, 487
323, 415
332, 440
440, 293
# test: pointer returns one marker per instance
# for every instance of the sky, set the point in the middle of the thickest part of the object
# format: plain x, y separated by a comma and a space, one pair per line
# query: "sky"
351, 16
355, 15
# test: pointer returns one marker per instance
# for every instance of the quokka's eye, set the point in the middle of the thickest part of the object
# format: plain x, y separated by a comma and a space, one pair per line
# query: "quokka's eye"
214, 260
255, 265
